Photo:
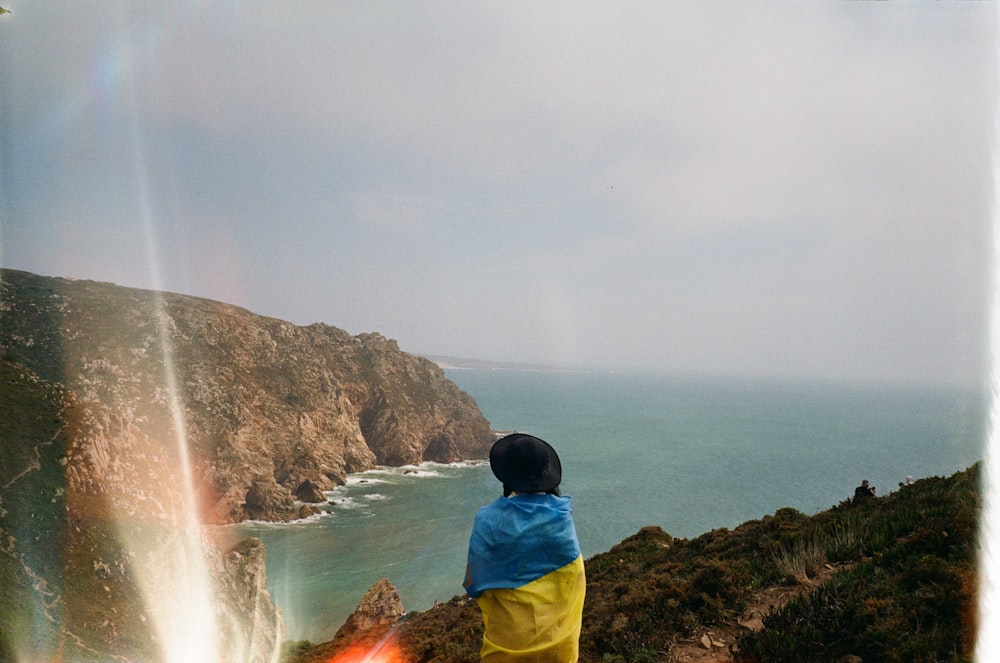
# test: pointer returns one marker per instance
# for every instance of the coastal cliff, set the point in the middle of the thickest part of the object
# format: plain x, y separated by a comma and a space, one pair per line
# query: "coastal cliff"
130, 417
270, 413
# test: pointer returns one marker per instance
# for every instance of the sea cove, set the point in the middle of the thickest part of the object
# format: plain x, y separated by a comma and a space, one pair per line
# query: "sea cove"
686, 454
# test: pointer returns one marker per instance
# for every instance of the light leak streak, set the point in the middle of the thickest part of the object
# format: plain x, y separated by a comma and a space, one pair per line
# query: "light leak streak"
174, 579
385, 650
988, 631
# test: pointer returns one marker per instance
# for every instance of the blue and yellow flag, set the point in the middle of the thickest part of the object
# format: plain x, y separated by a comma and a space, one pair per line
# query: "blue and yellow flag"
526, 572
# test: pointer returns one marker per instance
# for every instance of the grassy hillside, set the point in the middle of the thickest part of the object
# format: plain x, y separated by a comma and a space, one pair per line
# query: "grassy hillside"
888, 579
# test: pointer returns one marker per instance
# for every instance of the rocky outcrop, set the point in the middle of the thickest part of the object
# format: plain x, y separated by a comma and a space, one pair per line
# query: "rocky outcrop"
130, 417
250, 408
379, 610
309, 492
367, 633
252, 628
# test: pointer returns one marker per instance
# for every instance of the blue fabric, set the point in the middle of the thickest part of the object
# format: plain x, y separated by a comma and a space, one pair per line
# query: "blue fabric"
518, 539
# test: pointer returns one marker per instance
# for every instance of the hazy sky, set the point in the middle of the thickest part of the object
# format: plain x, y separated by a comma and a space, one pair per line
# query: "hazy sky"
768, 188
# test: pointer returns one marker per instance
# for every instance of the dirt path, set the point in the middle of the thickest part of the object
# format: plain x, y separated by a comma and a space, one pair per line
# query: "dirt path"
715, 645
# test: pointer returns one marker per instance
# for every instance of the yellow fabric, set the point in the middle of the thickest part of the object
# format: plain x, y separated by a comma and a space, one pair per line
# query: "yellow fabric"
539, 621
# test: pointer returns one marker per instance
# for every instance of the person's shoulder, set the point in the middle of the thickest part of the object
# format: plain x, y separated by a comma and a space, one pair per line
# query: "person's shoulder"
496, 505
557, 503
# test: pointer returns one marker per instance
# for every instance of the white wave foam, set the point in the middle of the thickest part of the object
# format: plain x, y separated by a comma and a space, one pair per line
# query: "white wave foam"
428, 468
346, 503
344, 498
462, 464
363, 479
421, 473
323, 513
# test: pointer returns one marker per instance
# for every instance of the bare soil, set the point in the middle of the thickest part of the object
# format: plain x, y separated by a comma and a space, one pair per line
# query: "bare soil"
717, 644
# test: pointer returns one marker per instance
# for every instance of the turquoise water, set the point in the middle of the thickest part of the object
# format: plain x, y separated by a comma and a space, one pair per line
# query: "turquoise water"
410, 525
687, 455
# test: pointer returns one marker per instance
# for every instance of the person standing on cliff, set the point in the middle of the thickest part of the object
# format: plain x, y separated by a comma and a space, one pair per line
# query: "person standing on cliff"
864, 490
525, 568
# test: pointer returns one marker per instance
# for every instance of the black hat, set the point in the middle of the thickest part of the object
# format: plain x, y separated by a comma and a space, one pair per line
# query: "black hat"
525, 464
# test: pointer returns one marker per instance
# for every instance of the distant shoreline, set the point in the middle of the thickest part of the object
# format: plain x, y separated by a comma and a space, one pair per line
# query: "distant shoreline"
463, 363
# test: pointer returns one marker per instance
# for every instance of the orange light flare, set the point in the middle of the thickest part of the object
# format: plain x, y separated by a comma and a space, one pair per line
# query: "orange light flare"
385, 651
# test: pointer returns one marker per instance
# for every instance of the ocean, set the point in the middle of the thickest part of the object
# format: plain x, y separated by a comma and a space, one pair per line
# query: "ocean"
686, 454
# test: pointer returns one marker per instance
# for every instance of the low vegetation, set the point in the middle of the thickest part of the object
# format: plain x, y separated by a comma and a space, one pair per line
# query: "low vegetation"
886, 579
911, 592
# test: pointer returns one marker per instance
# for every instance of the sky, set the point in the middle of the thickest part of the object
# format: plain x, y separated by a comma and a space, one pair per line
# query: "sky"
754, 188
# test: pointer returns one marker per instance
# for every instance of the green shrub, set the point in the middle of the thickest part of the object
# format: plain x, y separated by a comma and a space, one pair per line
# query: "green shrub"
805, 560
912, 599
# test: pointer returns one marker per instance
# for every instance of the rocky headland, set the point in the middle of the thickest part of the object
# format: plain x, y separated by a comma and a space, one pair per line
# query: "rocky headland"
129, 414
271, 413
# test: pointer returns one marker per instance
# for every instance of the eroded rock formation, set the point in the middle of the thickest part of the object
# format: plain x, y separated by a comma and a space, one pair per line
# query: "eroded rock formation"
368, 632
128, 418
379, 610
257, 407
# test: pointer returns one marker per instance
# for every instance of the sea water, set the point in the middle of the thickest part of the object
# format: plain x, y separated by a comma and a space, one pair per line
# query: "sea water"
688, 455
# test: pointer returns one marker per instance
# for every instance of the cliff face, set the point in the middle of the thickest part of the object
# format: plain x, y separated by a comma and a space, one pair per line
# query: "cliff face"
98, 560
263, 405
128, 415
262, 410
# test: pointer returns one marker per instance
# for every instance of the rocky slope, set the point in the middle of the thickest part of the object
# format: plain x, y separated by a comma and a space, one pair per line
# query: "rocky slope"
267, 413
130, 417
96, 566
